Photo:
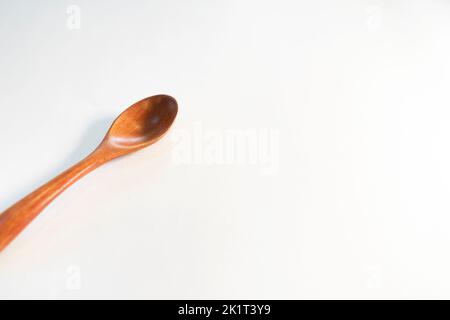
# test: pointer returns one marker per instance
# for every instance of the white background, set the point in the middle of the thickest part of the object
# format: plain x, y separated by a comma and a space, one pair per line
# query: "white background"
358, 92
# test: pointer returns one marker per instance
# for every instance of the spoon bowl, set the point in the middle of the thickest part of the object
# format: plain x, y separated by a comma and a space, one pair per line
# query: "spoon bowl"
142, 124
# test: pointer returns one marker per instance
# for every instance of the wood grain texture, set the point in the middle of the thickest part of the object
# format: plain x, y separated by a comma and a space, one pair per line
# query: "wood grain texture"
139, 126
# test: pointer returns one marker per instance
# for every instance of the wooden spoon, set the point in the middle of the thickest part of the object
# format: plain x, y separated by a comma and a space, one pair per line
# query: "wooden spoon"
141, 125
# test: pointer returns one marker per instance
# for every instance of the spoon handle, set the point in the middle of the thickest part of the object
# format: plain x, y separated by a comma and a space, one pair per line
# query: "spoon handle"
16, 218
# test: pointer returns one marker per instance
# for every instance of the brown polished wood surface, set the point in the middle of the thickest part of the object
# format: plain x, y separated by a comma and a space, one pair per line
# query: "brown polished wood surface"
141, 125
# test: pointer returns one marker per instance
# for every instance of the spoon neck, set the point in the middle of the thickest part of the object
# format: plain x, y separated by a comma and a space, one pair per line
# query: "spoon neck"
53, 188
88, 164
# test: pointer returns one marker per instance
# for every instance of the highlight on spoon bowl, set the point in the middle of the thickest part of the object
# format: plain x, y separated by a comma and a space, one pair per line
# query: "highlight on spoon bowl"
139, 126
